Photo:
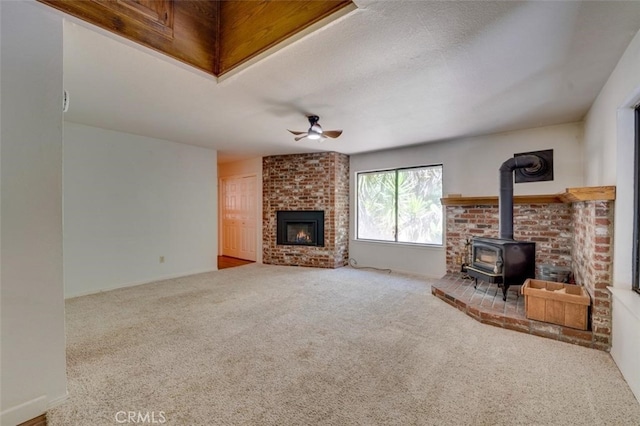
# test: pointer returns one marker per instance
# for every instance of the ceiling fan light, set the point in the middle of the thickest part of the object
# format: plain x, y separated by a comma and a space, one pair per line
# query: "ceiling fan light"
315, 132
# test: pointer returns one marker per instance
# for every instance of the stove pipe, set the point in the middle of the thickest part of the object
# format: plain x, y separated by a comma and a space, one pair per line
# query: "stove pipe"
505, 202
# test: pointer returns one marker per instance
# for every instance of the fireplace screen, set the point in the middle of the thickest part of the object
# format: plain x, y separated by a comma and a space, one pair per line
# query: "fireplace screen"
300, 227
301, 233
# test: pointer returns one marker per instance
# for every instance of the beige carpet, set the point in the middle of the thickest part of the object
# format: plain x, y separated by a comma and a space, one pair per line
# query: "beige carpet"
270, 345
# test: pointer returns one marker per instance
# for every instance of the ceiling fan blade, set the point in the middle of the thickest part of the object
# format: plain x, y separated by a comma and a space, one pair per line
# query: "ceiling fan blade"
297, 133
301, 137
332, 133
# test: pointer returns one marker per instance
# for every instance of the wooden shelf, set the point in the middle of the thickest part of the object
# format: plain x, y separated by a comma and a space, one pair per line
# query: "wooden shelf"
591, 193
571, 195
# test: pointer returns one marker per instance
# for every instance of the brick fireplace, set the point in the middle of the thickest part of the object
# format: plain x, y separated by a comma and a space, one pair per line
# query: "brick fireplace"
574, 229
549, 225
307, 182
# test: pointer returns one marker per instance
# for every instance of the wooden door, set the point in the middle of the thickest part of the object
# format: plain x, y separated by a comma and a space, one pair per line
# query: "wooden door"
239, 217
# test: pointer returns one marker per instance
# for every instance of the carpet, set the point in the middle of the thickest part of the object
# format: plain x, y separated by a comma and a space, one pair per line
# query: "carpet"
277, 345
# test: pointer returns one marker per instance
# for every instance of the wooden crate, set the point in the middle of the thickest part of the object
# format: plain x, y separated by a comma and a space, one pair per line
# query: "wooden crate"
557, 303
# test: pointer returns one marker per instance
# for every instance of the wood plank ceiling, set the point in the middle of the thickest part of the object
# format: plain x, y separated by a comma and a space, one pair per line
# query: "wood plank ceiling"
213, 36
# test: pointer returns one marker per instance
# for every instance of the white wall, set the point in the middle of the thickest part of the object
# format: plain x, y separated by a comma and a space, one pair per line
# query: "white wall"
129, 200
250, 167
470, 168
609, 153
32, 298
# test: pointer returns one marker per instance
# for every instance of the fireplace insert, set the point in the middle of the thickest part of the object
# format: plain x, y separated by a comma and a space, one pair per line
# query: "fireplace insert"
300, 228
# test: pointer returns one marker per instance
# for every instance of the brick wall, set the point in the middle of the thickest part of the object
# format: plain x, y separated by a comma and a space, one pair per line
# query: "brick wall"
549, 225
592, 267
577, 235
316, 181
340, 227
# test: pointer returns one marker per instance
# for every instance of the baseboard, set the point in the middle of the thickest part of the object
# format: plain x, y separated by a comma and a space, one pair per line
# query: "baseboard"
24, 412
135, 283
57, 401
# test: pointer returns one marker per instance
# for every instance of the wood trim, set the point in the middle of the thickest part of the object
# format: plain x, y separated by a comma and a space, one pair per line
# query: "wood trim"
250, 28
213, 36
156, 16
41, 420
593, 193
571, 195
216, 45
188, 34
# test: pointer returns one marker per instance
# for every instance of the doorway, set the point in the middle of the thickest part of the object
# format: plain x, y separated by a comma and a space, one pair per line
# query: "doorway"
239, 217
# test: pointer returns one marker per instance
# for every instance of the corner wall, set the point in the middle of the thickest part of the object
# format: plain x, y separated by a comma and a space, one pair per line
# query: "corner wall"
592, 266
317, 181
609, 154
33, 360
128, 200
576, 235
470, 168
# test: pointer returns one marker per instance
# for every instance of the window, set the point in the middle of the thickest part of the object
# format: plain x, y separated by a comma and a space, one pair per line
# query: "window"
401, 205
636, 206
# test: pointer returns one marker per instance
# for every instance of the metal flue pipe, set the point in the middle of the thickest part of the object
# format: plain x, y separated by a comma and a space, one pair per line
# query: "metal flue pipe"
505, 202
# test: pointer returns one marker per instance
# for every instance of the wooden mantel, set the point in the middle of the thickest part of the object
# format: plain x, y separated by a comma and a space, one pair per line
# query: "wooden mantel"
571, 195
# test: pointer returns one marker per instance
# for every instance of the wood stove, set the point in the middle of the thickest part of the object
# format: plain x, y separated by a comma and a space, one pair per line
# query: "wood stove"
502, 261
505, 261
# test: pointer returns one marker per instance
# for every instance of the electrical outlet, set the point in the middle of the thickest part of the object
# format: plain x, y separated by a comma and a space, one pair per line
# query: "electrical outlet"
161, 259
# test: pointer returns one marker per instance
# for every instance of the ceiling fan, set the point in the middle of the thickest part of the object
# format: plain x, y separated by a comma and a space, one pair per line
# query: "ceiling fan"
315, 132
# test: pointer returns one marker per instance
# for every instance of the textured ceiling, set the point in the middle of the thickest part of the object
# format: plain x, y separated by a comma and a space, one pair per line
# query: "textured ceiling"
391, 73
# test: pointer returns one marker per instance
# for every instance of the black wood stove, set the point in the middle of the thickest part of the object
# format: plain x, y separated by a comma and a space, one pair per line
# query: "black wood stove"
505, 261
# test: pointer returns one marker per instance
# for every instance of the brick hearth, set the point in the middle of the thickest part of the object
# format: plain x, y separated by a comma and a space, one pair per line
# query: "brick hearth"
574, 233
317, 181
485, 304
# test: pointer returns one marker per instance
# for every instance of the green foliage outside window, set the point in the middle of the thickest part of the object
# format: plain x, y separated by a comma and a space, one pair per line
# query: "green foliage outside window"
400, 205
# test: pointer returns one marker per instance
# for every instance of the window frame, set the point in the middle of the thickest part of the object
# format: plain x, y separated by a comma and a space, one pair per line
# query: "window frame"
396, 172
635, 283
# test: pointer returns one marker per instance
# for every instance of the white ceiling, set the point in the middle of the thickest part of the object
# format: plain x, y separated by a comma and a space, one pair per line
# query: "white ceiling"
391, 73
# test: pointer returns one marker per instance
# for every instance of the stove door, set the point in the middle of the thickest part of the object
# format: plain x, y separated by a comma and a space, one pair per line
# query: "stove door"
487, 257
